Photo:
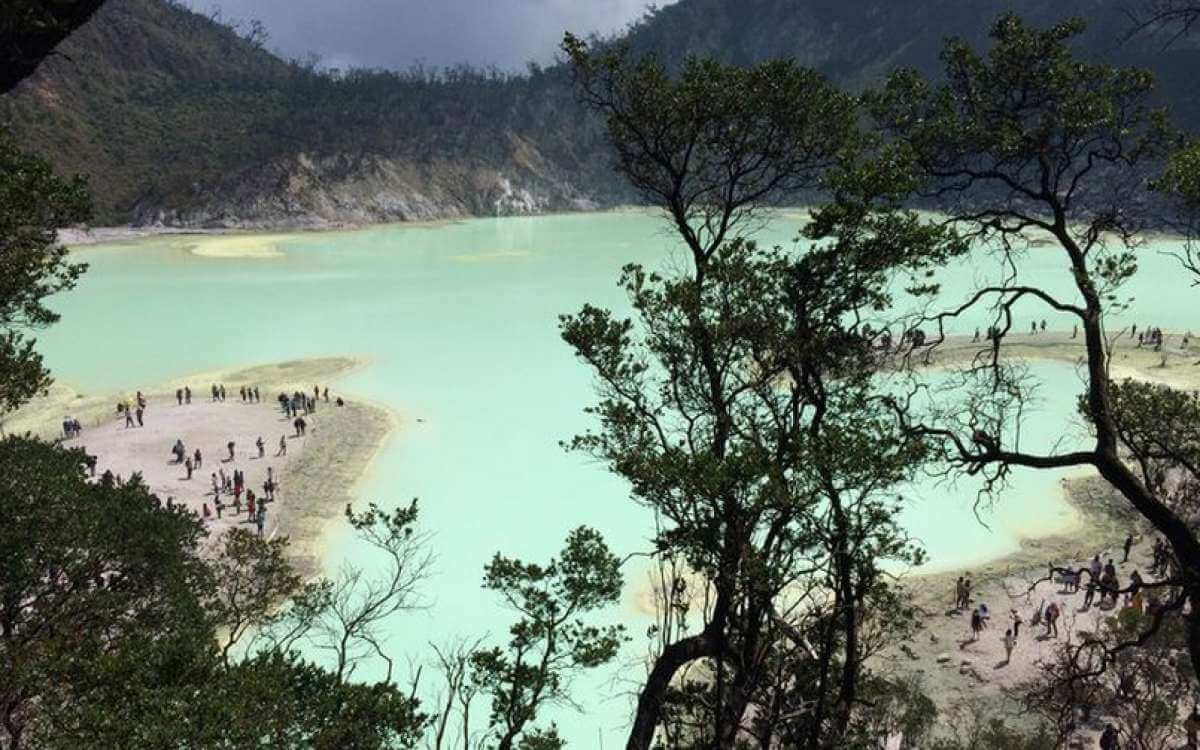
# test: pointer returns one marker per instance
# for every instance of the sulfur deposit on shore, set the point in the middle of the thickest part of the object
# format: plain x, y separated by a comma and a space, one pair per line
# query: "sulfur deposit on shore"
316, 478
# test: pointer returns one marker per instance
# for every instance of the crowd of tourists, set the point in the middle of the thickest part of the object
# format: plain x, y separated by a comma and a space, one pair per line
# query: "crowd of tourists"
231, 493
1103, 585
1098, 578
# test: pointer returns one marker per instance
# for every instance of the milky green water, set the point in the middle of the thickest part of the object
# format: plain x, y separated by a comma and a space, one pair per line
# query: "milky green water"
460, 322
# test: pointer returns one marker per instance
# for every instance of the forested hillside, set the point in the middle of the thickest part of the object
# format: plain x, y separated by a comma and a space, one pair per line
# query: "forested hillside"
179, 119
855, 42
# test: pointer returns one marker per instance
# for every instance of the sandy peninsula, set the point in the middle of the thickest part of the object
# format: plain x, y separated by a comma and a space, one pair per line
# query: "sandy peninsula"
316, 478
954, 668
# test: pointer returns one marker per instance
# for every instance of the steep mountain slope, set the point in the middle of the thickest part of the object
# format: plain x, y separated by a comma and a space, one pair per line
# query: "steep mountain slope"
180, 120
855, 42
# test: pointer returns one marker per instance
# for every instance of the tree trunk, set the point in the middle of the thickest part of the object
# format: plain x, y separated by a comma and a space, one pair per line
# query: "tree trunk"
649, 706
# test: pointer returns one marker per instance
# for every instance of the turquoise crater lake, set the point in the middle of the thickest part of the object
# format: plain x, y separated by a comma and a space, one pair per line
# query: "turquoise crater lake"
459, 322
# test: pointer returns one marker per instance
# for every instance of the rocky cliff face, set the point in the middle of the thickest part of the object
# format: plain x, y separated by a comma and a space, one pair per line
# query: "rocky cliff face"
178, 120
307, 191
181, 121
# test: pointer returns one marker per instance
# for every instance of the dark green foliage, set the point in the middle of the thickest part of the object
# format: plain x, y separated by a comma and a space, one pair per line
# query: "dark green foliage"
740, 401
551, 640
275, 701
1027, 142
109, 624
95, 579
713, 142
1026, 127
34, 204
252, 576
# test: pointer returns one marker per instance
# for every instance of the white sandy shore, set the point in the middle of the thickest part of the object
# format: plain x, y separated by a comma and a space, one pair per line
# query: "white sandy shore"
316, 477
952, 667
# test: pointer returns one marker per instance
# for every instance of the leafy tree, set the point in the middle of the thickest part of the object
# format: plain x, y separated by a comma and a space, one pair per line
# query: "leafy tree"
1027, 143
109, 623
551, 640
90, 575
344, 617
273, 700
252, 576
741, 405
34, 203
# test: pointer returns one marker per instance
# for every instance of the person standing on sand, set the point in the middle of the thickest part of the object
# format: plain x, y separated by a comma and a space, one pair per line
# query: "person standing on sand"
257, 398
282, 446
249, 507
262, 447
215, 392
1095, 567
187, 464
327, 387
966, 601
187, 395
260, 519
958, 593
179, 396
976, 625
1010, 642
1052, 618
198, 459
229, 445
1128, 546
140, 411
1016, 624
128, 417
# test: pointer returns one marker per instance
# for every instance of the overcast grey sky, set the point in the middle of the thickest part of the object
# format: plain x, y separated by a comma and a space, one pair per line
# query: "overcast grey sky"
397, 33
